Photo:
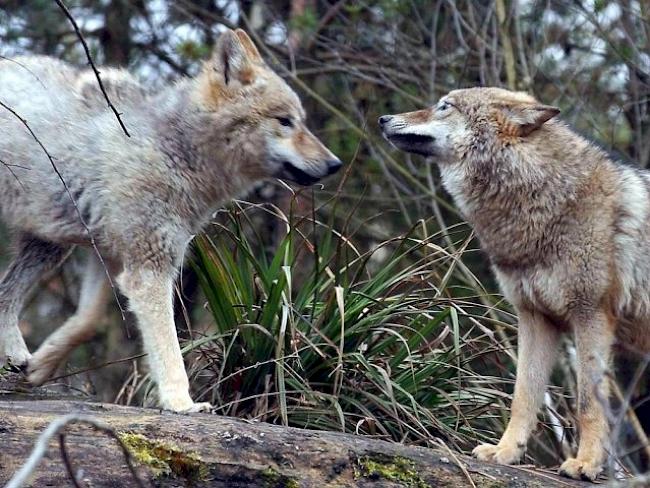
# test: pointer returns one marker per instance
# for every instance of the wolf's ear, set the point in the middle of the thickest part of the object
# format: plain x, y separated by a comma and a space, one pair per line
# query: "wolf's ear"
234, 57
249, 46
526, 118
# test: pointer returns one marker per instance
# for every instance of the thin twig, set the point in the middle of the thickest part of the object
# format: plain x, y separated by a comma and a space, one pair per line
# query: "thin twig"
97, 366
92, 64
458, 462
8, 166
66, 461
25, 68
57, 426
74, 203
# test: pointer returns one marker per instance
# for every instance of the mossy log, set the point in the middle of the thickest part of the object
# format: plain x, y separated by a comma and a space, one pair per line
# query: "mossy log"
209, 450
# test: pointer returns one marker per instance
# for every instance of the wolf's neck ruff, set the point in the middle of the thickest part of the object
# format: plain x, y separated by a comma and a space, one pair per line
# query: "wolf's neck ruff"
210, 166
517, 196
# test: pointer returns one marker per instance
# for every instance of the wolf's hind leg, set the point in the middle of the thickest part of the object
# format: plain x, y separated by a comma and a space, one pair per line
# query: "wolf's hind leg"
34, 257
80, 327
537, 350
594, 336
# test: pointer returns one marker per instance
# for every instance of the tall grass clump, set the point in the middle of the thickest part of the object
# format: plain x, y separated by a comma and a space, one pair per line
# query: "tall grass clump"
316, 333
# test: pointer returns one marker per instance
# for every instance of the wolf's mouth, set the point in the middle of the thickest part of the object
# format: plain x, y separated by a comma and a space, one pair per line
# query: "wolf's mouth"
415, 139
297, 175
415, 143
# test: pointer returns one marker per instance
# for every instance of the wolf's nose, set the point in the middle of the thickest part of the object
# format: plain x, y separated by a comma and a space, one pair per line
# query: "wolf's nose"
384, 119
333, 165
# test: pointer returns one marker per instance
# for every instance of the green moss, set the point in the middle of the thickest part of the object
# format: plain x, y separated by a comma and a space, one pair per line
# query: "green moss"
389, 468
273, 479
163, 458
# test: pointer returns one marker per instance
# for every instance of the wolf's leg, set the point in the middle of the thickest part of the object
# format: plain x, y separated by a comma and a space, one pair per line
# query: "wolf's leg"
537, 349
150, 297
94, 295
34, 258
594, 335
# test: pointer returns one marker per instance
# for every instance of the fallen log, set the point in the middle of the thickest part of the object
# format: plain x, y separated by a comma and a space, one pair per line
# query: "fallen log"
208, 450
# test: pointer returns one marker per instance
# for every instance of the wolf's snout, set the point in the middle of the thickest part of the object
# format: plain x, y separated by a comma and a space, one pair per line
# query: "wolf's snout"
384, 119
333, 165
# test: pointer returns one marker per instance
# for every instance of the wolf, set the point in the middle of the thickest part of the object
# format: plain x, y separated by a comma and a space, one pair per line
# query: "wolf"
140, 200
567, 232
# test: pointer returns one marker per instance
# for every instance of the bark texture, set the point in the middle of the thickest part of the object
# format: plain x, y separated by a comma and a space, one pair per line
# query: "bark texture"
209, 450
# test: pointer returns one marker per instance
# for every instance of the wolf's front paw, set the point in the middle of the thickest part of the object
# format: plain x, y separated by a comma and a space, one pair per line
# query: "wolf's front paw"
578, 469
42, 365
182, 403
199, 407
502, 454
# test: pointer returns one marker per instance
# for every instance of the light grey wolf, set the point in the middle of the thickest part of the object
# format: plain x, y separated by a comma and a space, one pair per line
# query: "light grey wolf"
193, 146
567, 231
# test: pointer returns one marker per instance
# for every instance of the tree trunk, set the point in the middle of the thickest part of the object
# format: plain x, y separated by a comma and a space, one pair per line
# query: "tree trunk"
116, 37
208, 450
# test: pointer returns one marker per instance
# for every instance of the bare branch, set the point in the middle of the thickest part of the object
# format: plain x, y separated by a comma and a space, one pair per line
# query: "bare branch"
92, 64
21, 477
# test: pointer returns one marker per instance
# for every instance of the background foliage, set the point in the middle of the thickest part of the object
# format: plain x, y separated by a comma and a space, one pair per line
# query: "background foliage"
363, 305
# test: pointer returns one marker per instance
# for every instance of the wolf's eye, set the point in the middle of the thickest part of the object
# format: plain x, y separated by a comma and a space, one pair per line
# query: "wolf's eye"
442, 106
285, 121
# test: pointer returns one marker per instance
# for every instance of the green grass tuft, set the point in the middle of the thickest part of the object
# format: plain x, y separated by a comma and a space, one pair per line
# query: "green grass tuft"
322, 335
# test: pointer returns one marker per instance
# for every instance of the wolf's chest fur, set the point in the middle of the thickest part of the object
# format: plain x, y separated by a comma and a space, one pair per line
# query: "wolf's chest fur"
564, 239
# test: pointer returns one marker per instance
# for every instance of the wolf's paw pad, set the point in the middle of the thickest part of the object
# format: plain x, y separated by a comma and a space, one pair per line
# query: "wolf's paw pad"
580, 470
498, 454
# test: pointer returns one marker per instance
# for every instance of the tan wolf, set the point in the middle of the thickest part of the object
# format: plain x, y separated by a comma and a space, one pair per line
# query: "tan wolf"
567, 231
194, 145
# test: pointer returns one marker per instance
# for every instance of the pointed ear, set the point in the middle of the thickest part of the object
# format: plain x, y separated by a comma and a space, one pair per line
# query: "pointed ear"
231, 60
249, 46
526, 118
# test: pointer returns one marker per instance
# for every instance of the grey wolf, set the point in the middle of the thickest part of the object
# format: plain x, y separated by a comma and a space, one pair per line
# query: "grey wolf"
568, 235
193, 146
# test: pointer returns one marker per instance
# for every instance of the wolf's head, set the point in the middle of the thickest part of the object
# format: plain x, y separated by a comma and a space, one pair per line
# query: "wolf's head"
258, 116
473, 119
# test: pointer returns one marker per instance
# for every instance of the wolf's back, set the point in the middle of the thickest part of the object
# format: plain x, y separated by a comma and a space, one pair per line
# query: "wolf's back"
120, 86
35, 85
40, 91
